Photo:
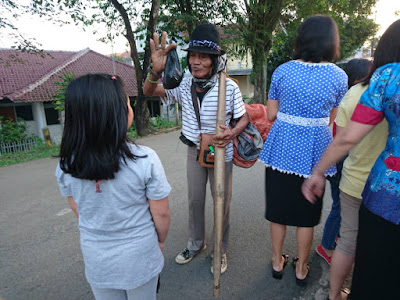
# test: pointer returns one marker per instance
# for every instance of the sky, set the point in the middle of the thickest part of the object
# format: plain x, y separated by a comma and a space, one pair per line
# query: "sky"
73, 38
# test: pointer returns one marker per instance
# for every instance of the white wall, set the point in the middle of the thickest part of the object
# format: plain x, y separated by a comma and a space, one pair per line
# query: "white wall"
55, 133
31, 128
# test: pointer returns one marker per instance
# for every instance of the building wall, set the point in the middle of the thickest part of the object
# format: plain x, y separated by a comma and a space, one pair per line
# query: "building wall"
246, 88
235, 63
31, 128
55, 133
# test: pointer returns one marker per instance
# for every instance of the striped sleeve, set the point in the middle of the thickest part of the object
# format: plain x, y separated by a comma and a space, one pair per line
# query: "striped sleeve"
237, 103
175, 95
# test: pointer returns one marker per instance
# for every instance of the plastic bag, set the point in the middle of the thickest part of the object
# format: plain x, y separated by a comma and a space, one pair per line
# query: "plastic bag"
173, 73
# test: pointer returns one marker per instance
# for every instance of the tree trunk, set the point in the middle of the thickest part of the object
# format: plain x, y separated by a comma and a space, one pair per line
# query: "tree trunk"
142, 114
260, 76
262, 19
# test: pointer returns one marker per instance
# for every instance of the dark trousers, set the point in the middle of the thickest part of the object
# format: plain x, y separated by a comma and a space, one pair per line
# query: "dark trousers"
377, 262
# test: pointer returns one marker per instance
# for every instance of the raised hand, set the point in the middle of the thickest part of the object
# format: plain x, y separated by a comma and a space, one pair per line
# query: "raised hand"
159, 53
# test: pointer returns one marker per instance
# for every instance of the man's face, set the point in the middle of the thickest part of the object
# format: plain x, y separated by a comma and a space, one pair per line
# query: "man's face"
200, 64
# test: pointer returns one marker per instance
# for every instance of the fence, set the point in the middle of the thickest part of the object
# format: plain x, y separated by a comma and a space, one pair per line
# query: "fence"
17, 146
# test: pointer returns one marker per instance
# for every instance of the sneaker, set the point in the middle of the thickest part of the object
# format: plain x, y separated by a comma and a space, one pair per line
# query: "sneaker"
322, 253
224, 264
186, 255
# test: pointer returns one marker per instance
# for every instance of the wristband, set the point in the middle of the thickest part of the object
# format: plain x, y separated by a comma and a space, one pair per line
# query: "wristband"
152, 81
154, 74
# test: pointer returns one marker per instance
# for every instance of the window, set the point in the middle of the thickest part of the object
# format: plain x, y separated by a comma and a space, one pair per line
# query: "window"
52, 116
24, 112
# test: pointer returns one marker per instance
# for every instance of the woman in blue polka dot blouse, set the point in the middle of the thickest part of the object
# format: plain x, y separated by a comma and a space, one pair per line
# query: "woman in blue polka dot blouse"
303, 100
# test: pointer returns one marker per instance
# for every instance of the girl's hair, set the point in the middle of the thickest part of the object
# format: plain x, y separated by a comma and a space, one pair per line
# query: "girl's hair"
357, 69
95, 131
388, 49
317, 40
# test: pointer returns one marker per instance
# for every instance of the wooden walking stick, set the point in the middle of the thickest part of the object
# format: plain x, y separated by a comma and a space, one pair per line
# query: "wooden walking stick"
219, 185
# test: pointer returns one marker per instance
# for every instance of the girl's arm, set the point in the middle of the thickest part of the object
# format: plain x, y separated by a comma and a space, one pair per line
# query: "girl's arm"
73, 205
159, 210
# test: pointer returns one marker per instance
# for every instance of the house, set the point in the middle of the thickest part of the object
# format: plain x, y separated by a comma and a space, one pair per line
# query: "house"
27, 84
240, 70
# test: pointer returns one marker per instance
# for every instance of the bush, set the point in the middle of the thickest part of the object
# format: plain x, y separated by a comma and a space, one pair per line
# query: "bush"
12, 131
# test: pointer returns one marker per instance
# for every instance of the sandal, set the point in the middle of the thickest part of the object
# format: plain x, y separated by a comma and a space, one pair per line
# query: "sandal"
345, 292
279, 274
300, 282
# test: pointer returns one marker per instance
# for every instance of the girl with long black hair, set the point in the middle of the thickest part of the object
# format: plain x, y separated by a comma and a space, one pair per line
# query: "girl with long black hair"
117, 189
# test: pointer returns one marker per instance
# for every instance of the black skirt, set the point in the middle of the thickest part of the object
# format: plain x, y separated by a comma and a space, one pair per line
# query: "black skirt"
285, 203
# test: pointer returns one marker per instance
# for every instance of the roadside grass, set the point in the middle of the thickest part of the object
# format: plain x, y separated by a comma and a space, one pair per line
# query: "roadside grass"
158, 126
38, 151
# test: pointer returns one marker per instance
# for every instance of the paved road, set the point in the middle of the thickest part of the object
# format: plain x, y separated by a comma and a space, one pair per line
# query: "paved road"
39, 242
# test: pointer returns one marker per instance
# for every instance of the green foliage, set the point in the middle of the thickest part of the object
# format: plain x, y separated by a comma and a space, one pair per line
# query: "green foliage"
179, 18
65, 79
11, 131
351, 16
38, 151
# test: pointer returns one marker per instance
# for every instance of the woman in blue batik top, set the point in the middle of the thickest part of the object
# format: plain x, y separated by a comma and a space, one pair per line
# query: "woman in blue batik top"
377, 263
303, 100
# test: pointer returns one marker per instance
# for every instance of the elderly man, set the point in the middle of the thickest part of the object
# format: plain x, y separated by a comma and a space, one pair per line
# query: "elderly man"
205, 60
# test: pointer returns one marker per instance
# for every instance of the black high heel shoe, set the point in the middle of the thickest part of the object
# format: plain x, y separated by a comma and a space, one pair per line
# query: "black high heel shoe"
279, 274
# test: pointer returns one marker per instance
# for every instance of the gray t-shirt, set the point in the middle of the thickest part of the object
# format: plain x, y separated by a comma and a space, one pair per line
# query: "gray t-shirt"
118, 239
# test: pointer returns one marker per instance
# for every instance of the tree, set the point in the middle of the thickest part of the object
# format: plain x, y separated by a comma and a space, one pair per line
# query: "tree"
142, 115
246, 25
120, 17
62, 85
256, 28
351, 16
117, 16
264, 24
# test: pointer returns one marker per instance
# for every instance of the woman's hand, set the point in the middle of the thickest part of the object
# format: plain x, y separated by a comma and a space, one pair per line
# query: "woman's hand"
313, 187
159, 53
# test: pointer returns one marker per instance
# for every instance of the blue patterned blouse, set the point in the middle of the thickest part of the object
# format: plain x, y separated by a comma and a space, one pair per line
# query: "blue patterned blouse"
382, 99
306, 92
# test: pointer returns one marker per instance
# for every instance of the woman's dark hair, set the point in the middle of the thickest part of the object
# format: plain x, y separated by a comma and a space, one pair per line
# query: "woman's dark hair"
317, 40
388, 49
95, 131
356, 69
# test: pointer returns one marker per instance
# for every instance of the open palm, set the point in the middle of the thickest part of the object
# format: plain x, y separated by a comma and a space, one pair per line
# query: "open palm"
159, 53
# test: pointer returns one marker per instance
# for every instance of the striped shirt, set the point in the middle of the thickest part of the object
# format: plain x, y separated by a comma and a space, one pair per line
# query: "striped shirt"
208, 110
